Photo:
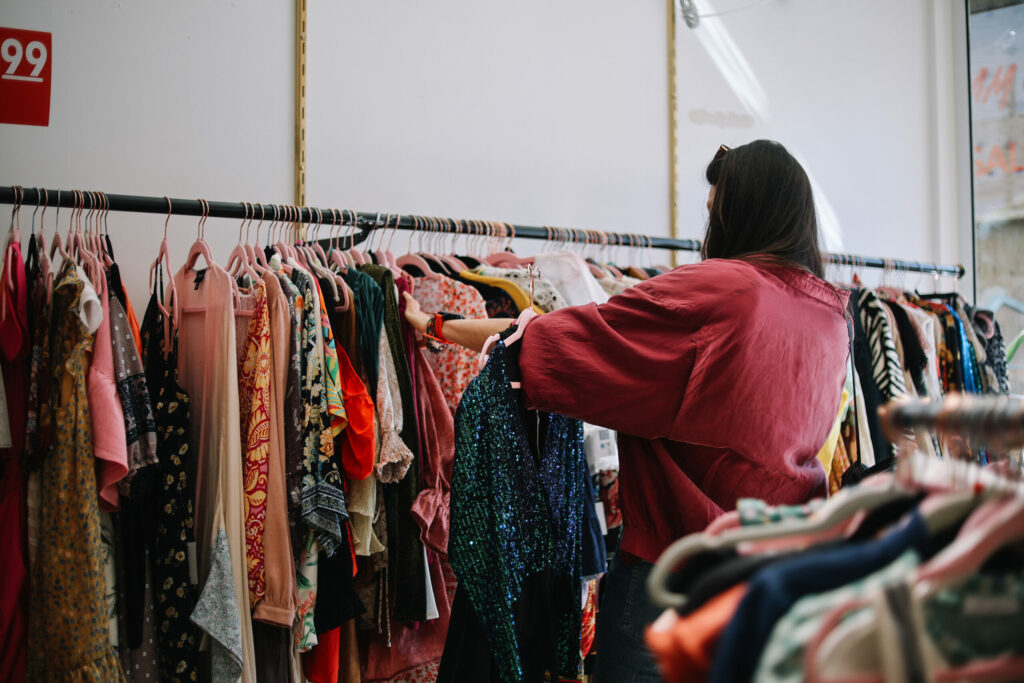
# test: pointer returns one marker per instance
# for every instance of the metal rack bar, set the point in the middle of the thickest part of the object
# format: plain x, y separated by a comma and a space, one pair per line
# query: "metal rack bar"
368, 222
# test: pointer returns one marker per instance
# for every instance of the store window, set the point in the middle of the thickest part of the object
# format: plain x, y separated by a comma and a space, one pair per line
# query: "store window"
996, 33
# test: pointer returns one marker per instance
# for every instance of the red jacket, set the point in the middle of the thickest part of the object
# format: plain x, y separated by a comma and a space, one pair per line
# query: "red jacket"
723, 379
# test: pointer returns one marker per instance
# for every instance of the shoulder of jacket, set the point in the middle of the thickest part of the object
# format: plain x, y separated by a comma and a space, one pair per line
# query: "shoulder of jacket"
717, 277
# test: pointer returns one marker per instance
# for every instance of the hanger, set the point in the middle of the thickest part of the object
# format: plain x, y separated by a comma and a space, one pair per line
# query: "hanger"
256, 257
389, 256
596, 269
102, 238
57, 245
302, 228
349, 236
200, 247
450, 259
248, 249
507, 259
334, 282
46, 266
77, 245
164, 258
317, 249
292, 215
42, 195
1002, 522
284, 249
336, 256
344, 301
417, 261
837, 511
238, 261
92, 225
13, 236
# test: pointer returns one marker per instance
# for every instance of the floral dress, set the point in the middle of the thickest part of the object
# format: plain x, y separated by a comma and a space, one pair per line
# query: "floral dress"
68, 638
173, 591
254, 368
453, 365
322, 497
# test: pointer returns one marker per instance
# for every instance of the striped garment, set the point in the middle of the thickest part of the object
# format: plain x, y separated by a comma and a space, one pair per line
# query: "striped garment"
886, 369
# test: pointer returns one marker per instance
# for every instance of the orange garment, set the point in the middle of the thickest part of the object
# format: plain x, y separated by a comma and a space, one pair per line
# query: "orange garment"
358, 442
589, 629
685, 646
133, 322
840, 463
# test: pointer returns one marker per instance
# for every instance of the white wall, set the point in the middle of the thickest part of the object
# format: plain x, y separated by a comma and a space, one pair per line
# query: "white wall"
186, 99
864, 94
534, 112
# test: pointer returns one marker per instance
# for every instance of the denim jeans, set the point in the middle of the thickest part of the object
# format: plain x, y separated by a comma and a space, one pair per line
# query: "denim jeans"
624, 614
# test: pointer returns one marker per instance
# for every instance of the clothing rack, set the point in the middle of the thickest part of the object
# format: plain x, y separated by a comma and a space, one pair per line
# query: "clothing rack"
996, 418
366, 223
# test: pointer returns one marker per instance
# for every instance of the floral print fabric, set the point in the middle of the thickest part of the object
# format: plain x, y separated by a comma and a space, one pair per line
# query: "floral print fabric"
540, 289
322, 496
139, 425
454, 366
254, 367
332, 373
173, 592
305, 631
68, 637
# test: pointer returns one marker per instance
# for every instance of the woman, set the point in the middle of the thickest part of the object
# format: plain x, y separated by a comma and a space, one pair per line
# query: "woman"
722, 378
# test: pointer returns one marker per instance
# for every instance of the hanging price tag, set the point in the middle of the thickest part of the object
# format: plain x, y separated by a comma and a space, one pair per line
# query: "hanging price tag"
25, 77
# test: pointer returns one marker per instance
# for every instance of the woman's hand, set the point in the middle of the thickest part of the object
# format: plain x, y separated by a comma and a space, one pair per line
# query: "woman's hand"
469, 333
414, 314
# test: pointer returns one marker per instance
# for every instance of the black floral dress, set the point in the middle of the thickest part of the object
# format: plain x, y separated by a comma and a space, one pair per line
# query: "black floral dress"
171, 510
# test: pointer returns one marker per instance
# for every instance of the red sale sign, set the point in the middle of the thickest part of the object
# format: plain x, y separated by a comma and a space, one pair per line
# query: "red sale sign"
25, 77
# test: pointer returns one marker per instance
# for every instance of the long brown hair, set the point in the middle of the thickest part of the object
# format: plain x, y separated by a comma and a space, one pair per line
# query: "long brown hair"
763, 206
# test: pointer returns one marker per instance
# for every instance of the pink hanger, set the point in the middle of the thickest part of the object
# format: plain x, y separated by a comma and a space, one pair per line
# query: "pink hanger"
454, 229
1001, 522
200, 247
40, 237
336, 257
57, 245
250, 251
238, 261
357, 255
506, 259
255, 253
13, 235
315, 244
417, 261
164, 258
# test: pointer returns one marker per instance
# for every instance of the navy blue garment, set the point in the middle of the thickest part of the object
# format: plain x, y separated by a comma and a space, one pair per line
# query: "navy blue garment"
595, 554
517, 512
774, 590
624, 613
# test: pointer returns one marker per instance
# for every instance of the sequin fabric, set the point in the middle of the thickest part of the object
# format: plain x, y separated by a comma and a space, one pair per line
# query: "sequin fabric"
514, 514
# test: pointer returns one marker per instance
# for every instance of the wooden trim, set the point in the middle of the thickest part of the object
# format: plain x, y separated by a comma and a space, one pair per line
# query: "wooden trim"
672, 105
300, 102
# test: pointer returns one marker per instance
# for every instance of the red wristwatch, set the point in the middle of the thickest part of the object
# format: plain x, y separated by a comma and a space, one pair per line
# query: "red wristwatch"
435, 326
